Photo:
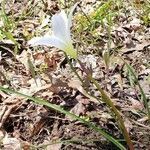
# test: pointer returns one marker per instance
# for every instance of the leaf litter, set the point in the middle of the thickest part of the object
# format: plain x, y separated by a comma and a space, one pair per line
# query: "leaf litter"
25, 124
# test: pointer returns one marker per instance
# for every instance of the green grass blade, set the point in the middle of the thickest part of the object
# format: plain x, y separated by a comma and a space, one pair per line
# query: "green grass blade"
32, 69
112, 107
58, 108
144, 99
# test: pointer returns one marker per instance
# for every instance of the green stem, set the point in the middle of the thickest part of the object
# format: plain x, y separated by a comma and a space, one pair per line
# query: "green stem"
140, 88
60, 109
72, 68
111, 105
81, 80
108, 101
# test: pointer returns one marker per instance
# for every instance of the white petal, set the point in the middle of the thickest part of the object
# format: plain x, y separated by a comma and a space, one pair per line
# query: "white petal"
60, 26
70, 14
47, 41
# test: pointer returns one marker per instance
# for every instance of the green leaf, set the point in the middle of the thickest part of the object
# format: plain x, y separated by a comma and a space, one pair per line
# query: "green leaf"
60, 109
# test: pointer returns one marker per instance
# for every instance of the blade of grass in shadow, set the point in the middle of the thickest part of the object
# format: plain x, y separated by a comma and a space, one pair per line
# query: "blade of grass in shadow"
143, 96
60, 109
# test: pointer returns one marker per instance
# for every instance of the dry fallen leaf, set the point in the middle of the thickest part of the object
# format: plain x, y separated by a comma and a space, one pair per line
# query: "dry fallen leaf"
135, 104
11, 143
128, 125
76, 84
78, 109
51, 146
23, 58
54, 146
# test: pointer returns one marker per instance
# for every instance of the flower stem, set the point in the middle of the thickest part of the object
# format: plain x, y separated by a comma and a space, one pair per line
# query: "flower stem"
72, 68
111, 105
109, 102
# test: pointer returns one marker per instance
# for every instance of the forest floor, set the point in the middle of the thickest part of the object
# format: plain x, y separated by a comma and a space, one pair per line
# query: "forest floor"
102, 32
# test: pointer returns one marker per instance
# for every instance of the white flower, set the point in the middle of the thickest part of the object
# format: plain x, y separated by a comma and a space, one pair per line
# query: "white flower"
61, 37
